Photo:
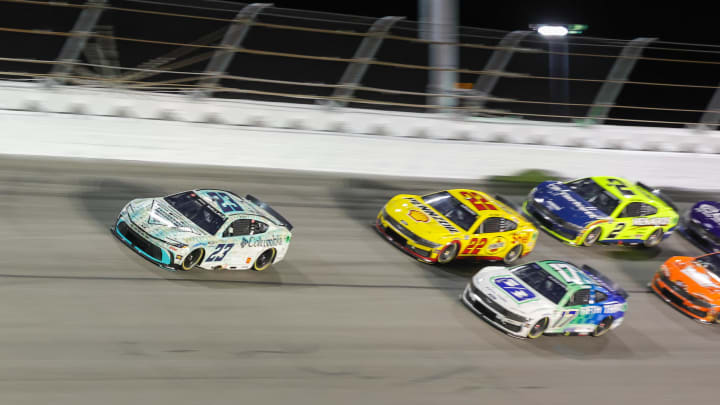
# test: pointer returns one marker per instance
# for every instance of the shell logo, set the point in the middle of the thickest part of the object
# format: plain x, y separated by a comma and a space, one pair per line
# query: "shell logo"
418, 216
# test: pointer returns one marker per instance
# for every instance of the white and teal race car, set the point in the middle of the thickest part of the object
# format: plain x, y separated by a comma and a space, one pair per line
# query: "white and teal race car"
546, 297
208, 229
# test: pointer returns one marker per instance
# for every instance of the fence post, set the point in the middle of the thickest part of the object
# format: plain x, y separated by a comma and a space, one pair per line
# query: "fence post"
234, 36
608, 93
499, 59
75, 43
711, 116
354, 72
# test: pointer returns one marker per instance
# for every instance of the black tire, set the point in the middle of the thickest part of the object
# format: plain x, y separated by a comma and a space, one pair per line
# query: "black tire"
603, 327
448, 254
192, 259
265, 259
538, 328
654, 239
592, 237
513, 255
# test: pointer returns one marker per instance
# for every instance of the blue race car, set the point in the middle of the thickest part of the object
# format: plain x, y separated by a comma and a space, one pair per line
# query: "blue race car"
701, 225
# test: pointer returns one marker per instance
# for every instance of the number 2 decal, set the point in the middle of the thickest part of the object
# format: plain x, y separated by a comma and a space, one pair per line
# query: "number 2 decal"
220, 252
474, 246
620, 186
618, 228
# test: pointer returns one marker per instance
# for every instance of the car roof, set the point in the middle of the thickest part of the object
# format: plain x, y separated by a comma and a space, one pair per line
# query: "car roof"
639, 194
576, 280
236, 207
484, 205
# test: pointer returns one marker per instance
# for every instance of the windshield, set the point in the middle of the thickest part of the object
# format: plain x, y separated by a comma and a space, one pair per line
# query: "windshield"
197, 210
541, 281
710, 262
451, 208
595, 195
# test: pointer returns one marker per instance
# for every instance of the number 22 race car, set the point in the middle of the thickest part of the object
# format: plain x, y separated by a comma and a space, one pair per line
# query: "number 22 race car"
443, 226
546, 297
607, 210
210, 229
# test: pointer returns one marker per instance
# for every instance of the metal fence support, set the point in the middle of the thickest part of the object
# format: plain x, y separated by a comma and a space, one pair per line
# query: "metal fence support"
499, 59
234, 36
354, 72
624, 64
439, 23
711, 116
75, 43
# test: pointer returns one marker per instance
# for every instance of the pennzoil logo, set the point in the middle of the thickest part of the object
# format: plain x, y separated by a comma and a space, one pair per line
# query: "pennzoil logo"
418, 216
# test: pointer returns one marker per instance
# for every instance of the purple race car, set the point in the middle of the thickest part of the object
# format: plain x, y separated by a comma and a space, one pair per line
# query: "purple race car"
701, 225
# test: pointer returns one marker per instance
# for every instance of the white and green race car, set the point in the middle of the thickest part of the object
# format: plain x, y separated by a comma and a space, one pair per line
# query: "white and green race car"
208, 229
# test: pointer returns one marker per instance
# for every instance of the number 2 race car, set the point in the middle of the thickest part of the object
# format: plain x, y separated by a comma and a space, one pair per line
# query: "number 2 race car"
443, 226
210, 229
691, 285
546, 297
701, 225
607, 210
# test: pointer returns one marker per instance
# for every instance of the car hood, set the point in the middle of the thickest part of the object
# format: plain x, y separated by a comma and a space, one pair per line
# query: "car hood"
698, 280
561, 201
419, 218
510, 292
707, 215
157, 218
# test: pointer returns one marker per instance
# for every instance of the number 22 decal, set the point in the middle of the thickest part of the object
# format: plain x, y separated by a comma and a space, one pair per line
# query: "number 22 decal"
474, 246
220, 252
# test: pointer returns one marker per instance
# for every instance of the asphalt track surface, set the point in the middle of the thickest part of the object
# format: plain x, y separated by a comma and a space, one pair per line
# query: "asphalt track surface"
345, 319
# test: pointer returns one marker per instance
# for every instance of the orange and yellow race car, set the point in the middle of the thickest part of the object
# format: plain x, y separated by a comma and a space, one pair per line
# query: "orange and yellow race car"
443, 226
692, 285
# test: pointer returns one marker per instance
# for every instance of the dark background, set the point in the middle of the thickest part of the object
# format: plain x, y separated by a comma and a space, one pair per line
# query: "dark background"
685, 32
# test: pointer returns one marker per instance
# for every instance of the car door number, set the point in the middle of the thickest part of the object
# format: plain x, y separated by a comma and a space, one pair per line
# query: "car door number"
220, 252
616, 231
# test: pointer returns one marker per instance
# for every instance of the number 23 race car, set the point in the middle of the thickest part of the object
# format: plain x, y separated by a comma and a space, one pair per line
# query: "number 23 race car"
210, 229
443, 226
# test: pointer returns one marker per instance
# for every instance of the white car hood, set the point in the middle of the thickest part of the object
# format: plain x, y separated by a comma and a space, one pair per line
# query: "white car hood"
498, 284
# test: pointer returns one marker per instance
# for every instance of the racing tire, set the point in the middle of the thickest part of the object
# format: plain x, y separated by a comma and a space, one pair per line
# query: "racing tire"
538, 328
265, 259
592, 237
448, 253
654, 239
603, 327
192, 259
513, 255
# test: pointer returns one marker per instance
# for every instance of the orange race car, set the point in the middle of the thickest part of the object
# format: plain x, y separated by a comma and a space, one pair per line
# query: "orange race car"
692, 285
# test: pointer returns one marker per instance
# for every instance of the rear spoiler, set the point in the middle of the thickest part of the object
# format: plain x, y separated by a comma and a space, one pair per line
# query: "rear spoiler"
659, 194
272, 212
604, 281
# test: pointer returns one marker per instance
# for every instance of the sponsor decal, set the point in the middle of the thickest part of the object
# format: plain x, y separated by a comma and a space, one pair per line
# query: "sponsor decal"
259, 241
651, 221
497, 244
591, 310
612, 308
567, 196
709, 211
445, 224
514, 288
418, 216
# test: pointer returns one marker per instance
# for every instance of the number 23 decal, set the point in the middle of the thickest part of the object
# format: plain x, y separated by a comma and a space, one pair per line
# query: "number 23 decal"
220, 252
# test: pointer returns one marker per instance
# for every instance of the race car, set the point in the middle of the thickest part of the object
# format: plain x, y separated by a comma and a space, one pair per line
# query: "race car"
701, 225
608, 210
546, 297
208, 229
456, 224
691, 285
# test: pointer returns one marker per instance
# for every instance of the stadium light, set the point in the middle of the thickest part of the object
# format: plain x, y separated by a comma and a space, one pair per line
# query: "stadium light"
558, 30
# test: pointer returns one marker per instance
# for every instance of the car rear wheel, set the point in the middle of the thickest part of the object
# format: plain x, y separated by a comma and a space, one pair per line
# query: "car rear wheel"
264, 260
513, 254
192, 260
448, 253
654, 239
592, 237
603, 327
537, 330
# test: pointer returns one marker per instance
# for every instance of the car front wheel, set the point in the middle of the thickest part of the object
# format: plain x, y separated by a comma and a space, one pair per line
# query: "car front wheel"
592, 237
538, 328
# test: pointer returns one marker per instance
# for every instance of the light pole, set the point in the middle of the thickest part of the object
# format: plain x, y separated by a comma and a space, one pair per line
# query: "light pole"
558, 62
